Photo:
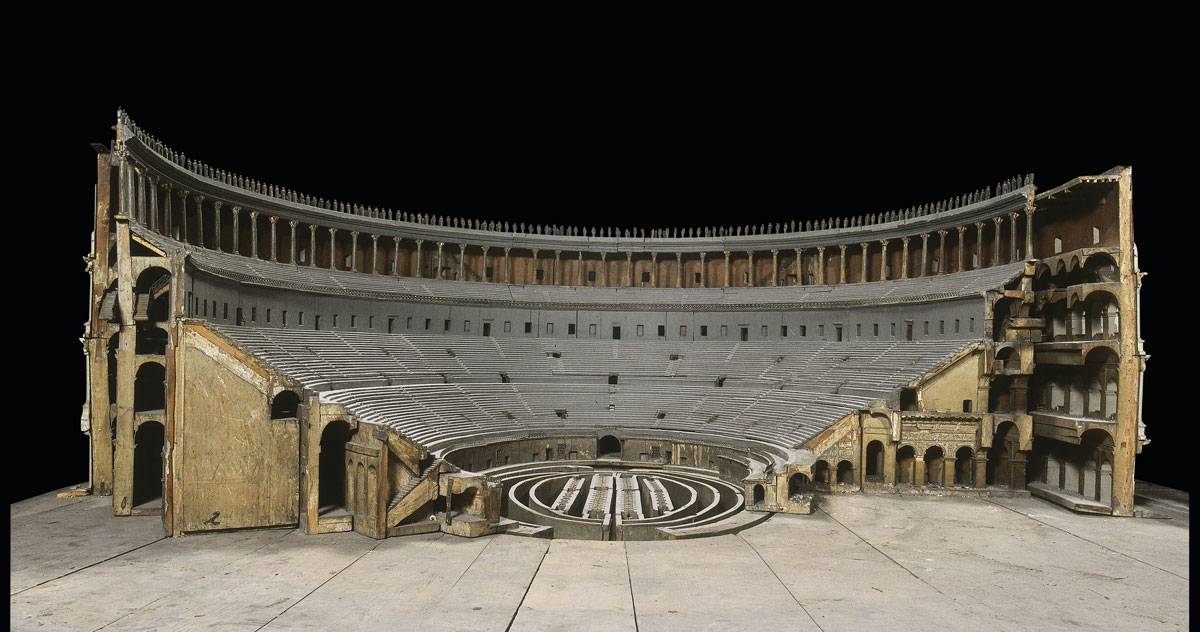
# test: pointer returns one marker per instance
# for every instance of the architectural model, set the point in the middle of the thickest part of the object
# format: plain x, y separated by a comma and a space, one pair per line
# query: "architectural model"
262, 358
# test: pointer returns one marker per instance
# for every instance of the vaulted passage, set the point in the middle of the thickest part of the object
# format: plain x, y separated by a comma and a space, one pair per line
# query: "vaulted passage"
331, 492
148, 466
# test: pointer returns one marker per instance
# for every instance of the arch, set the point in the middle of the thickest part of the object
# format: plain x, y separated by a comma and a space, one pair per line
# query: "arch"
154, 287
608, 446
148, 444
820, 472
1003, 355
799, 483
964, 474
1002, 310
874, 464
1101, 354
285, 405
149, 388
332, 467
1043, 278
845, 473
463, 500
1006, 442
151, 340
1102, 267
760, 495
935, 463
905, 462
1000, 394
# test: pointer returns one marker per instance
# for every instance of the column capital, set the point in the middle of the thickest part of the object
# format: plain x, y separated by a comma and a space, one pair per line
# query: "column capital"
603, 255
821, 250
374, 237
924, 236
774, 251
726, 253
535, 251
628, 255
312, 228
421, 241
980, 225
292, 223
679, 255
217, 204
272, 219
842, 248
905, 239
654, 256
332, 231
943, 233
507, 248
862, 244
199, 198
462, 247
183, 193
557, 253
484, 248
1013, 216
884, 243
440, 244
253, 214
702, 255
961, 229
750, 253
998, 220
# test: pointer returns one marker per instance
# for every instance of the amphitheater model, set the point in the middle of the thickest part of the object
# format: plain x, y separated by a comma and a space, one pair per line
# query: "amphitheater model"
262, 358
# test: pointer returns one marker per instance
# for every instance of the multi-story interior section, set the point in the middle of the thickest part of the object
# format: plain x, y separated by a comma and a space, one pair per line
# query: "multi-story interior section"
259, 357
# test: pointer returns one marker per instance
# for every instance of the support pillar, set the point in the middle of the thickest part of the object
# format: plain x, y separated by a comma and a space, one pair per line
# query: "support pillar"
200, 220
918, 470
332, 248
821, 265
418, 270
166, 229
948, 467
534, 280
961, 248
979, 243
483, 270
183, 231
555, 279
1029, 209
750, 268
798, 265
237, 236
254, 234
274, 248
437, 274
679, 269
942, 251
579, 270
217, 224
981, 468
904, 258
924, 253
883, 260
726, 268
462, 257
862, 278
1012, 233
312, 246
703, 272
507, 265
374, 254
775, 266
996, 242
629, 268
654, 269
292, 242
604, 269
842, 265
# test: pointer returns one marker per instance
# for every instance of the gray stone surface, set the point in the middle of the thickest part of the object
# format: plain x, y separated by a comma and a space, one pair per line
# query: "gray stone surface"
859, 562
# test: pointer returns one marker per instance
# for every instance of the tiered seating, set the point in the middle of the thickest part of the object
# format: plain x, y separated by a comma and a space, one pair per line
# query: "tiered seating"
339, 282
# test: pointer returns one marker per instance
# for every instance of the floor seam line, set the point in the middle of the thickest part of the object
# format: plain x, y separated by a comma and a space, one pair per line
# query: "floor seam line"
527, 587
318, 587
1075, 535
84, 568
475, 559
189, 583
917, 577
780, 580
629, 576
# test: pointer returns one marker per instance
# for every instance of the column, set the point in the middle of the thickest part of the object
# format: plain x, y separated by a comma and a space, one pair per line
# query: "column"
437, 274
396, 256
942, 251
200, 220
183, 196
750, 267
217, 224
237, 236
254, 234
948, 469
483, 269
679, 269
554, 280
842, 265
962, 248
1012, 233
629, 267
996, 242
1029, 209
798, 266
703, 272
292, 242
579, 270
332, 248
274, 256
924, 252
462, 255
507, 265
919, 466
153, 203
904, 258
312, 245
979, 243
981, 468
604, 269
418, 270
139, 212
354, 251
883, 260
535, 266
654, 269
863, 275
820, 265
726, 268
374, 254
166, 230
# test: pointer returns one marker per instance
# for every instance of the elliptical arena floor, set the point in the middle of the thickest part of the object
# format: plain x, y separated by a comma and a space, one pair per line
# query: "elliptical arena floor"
860, 562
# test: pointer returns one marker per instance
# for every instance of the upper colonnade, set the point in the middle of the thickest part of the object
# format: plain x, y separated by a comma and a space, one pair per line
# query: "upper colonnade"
194, 203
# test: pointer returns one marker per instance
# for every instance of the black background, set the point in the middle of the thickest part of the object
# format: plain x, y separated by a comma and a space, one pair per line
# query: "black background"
587, 150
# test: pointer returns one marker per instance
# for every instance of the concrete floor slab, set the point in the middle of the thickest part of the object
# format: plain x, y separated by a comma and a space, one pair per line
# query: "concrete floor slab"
859, 562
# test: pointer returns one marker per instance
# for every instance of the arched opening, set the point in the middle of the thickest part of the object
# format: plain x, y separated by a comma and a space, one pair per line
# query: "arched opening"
905, 462
151, 340
1102, 268
148, 465
934, 465
463, 501
1000, 395
964, 474
331, 485
1095, 480
1001, 311
608, 447
874, 461
845, 473
285, 405
760, 495
908, 399
152, 295
1003, 357
799, 484
1005, 445
820, 472
149, 388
